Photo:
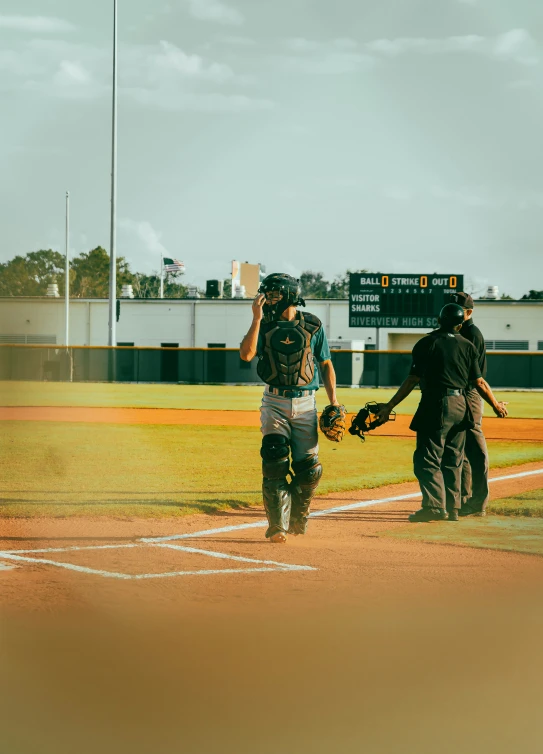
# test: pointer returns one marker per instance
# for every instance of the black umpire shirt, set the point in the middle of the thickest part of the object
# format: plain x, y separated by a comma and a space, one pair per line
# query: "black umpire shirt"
472, 333
445, 360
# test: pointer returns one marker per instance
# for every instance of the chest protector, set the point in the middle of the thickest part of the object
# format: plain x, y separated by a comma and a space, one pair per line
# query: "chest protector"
286, 358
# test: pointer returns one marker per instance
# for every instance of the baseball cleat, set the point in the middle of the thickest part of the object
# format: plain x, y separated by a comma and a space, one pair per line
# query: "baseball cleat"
278, 538
453, 515
465, 510
297, 527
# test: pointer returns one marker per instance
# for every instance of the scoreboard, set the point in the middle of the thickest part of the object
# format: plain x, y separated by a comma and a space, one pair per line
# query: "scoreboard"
377, 300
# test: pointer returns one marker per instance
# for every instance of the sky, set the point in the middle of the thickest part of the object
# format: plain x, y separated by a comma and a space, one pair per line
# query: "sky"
393, 136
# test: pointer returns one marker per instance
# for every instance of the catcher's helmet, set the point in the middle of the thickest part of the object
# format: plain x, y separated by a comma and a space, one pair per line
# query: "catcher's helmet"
288, 287
451, 316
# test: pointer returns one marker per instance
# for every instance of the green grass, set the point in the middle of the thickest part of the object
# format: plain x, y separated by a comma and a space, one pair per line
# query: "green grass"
218, 397
495, 533
526, 504
65, 469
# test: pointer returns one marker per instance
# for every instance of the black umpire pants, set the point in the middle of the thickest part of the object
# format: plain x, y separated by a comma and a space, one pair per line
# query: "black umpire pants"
475, 491
439, 454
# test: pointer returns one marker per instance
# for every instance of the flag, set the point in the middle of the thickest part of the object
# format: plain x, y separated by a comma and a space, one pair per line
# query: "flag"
173, 265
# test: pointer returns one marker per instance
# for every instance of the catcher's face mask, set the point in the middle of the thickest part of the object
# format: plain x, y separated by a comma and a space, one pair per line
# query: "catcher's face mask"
273, 297
274, 305
367, 419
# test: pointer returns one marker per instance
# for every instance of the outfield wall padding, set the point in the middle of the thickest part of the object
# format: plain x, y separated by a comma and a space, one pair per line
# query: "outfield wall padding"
224, 366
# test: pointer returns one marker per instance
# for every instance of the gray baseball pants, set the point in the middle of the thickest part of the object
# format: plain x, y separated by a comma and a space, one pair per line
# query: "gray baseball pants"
475, 491
294, 418
439, 455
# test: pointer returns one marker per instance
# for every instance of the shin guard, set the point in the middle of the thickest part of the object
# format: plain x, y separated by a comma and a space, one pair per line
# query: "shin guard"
275, 488
304, 485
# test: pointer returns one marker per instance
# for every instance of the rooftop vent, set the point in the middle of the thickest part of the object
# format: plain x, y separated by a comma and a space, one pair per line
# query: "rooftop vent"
492, 292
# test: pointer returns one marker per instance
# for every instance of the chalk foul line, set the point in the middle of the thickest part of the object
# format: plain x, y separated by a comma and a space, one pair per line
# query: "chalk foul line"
258, 566
325, 512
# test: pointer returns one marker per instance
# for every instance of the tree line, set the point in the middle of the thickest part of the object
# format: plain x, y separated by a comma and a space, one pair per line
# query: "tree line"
29, 275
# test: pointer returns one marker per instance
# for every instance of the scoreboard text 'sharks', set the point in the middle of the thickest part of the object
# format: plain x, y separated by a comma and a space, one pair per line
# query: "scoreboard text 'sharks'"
377, 300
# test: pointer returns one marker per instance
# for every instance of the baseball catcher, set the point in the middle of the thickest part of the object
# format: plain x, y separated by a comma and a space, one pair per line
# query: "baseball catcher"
289, 344
368, 418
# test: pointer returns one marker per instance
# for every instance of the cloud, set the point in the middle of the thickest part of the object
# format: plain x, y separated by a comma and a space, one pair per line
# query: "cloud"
466, 196
176, 101
397, 193
237, 41
515, 45
174, 80
71, 72
36, 24
521, 84
299, 44
333, 57
162, 76
43, 61
331, 64
481, 197
402, 45
172, 59
215, 11
170, 66
144, 231
15, 64
287, 266
52, 68
345, 55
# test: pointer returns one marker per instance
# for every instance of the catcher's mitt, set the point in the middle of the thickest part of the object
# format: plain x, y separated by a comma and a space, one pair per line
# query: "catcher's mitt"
332, 422
367, 419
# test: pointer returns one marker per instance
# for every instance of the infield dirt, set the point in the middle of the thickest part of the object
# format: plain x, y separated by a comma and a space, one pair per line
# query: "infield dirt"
387, 646
495, 429
347, 550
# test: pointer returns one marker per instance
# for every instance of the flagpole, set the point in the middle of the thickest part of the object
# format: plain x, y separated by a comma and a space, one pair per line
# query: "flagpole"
162, 276
113, 217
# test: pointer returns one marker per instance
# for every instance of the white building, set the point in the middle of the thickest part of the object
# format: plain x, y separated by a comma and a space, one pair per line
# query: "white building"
185, 323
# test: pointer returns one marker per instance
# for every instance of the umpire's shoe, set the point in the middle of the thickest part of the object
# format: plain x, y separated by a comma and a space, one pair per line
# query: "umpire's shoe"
467, 510
429, 514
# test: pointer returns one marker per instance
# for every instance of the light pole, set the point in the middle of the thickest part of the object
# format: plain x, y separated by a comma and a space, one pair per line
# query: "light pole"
113, 229
67, 276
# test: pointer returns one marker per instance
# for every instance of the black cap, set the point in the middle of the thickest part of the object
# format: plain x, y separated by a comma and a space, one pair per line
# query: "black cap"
463, 299
451, 316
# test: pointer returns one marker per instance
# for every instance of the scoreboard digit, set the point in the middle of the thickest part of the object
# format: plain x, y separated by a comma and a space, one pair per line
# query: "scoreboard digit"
410, 301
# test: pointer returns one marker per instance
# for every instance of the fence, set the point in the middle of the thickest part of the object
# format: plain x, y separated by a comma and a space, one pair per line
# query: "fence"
223, 365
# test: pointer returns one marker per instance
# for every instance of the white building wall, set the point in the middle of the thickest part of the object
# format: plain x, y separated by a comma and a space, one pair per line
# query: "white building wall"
200, 322
146, 325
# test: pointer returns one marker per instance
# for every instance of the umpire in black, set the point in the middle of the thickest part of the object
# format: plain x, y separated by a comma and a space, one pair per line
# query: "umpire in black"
475, 491
445, 364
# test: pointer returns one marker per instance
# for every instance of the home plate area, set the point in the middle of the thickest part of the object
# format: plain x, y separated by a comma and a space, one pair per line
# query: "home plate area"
174, 555
143, 560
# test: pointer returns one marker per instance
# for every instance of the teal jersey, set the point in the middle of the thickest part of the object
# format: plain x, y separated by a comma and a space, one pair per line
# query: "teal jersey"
321, 352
